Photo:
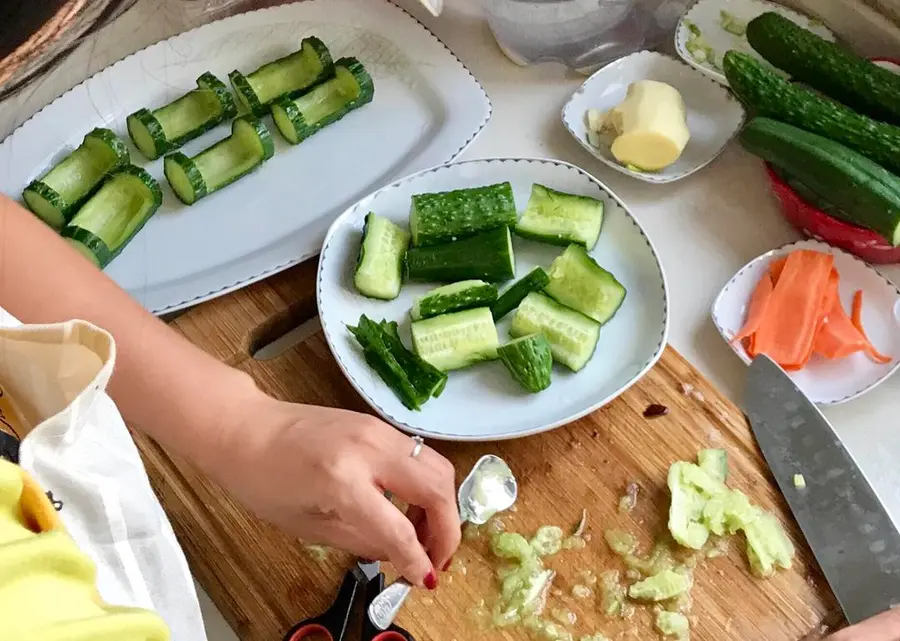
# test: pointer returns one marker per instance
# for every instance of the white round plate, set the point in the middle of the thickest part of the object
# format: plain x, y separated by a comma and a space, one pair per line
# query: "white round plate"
707, 16
713, 115
483, 403
825, 381
427, 109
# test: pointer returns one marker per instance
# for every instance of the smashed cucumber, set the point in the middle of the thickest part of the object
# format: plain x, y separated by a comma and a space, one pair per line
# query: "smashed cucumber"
559, 218
454, 341
379, 266
577, 281
456, 297
660, 587
451, 215
529, 360
57, 195
487, 256
572, 335
533, 281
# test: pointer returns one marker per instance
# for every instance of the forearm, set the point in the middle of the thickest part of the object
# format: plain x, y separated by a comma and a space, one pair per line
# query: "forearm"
162, 384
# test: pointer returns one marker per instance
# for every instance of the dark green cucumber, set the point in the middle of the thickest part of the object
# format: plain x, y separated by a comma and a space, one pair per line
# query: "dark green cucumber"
428, 380
193, 114
379, 268
577, 281
454, 341
832, 69
487, 256
248, 147
454, 298
862, 190
451, 215
373, 339
765, 93
287, 76
572, 335
808, 195
299, 118
529, 361
57, 195
559, 218
111, 217
533, 281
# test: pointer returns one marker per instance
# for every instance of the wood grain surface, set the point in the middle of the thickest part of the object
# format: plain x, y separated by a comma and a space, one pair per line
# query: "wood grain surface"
264, 581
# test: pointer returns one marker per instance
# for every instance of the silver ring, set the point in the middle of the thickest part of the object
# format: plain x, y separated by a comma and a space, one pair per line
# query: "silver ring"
417, 447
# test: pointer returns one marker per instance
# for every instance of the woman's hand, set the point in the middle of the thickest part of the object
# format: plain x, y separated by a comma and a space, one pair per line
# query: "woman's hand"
320, 473
883, 627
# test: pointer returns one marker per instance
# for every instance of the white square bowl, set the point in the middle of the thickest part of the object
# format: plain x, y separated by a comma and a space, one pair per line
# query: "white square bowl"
826, 382
714, 116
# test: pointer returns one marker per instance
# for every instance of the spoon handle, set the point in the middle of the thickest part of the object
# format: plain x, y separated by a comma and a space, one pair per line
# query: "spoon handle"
387, 604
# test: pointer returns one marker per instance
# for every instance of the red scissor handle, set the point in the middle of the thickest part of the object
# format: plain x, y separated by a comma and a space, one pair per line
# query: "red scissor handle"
390, 635
314, 632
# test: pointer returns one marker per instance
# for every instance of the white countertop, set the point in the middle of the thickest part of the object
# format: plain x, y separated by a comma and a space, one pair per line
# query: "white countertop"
705, 226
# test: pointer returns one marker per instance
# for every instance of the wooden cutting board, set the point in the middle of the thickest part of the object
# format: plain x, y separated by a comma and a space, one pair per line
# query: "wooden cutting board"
264, 581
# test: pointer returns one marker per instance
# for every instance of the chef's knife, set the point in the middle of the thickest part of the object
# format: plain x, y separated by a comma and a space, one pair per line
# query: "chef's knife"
847, 528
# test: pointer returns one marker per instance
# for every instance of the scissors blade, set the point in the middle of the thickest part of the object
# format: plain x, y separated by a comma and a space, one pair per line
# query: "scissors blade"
370, 569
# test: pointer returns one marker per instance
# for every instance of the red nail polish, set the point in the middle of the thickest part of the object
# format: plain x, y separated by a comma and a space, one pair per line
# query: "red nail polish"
447, 564
430, 580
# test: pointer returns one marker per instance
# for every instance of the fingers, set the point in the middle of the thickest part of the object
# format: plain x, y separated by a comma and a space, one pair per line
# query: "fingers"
428, 482
883, 627
389, 531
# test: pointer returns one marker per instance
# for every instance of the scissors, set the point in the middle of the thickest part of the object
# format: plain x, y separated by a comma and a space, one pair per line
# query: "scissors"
365, 578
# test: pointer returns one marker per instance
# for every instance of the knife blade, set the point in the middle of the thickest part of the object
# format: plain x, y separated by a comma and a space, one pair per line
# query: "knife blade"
850, 533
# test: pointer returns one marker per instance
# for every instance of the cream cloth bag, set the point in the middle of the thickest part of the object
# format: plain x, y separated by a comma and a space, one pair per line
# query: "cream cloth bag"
79, 449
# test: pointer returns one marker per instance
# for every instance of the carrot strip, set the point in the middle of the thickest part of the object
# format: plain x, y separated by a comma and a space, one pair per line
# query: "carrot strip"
776, 267
837, 337
756, 310
873, 353
795, 310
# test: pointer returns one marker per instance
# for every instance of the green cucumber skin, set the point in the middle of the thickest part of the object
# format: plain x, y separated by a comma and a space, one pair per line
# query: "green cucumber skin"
100, 251
826, 66
372, 337
303, 130
523, 325
206, 82
529, 361
359, 281
242, 87
193, 176
427, 379
68, 209
453, 215
542, 198
600, 300
765, 93
434, 305
846, 179
534, 281
486, 256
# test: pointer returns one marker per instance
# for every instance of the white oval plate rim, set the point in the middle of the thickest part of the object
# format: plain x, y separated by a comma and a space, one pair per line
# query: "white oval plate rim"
441, 436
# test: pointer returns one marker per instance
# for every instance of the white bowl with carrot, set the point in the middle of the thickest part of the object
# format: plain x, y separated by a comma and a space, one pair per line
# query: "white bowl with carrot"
829, 319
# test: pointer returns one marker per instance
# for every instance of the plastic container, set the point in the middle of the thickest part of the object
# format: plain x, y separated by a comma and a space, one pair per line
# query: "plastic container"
815, 223
582, 34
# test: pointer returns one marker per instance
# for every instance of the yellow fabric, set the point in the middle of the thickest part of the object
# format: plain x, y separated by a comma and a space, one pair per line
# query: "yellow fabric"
47, 586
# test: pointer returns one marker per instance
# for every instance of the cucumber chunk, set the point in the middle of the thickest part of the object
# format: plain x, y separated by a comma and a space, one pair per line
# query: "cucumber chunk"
533, 281
380, 263
299, 118
714, 462
287, 76
454, 341
487, 256
248, 147
171, 126
112, 216
560, 219
577, 281
451, 215
57, 195
529, 361
454, 298
572, 335
428, 380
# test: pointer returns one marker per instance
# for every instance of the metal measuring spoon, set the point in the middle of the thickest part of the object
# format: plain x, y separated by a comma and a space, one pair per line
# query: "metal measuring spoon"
488, 489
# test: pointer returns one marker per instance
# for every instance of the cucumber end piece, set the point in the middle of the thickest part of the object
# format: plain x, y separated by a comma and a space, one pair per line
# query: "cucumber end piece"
247, 98
249, 128
146, 132
184, 178
209, 81
46, 204
113, 142
84, 251
285, 114
88, 245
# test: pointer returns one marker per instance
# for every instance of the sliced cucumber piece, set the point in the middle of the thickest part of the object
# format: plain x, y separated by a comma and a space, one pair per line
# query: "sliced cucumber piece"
714, 462
171, 126
110, 218
372, 337
380, 264
454, 298
560, 219
248, 147
299, 118
487, 256
287, 76
529, 360
577, 281
426, 378
451, 215
454, 341
58, 194
572, 335
533, 281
